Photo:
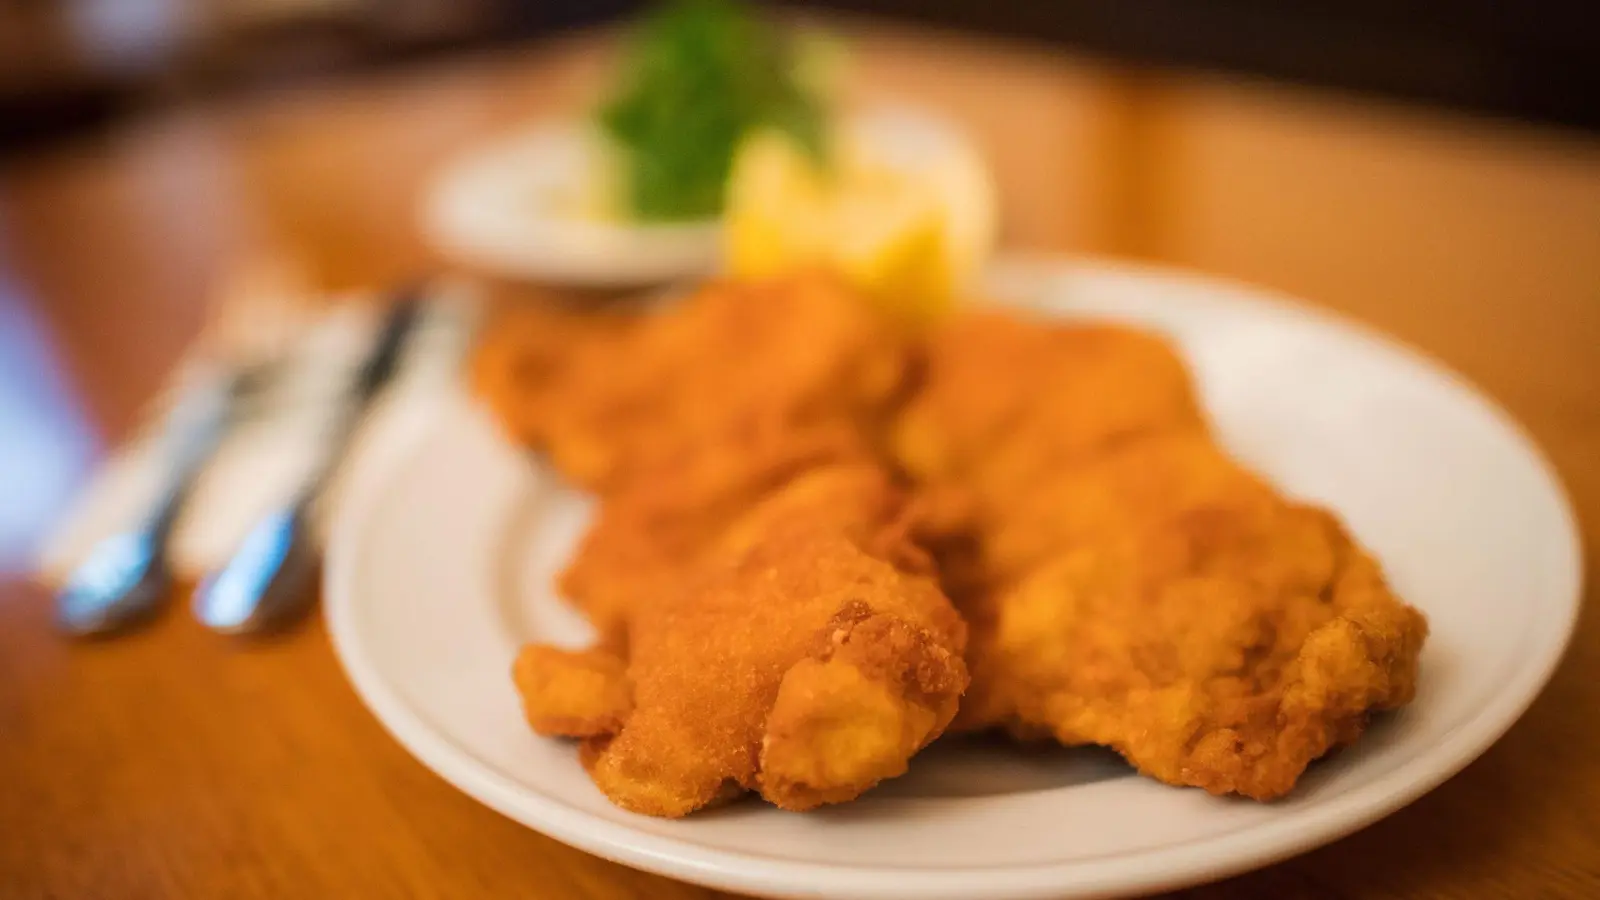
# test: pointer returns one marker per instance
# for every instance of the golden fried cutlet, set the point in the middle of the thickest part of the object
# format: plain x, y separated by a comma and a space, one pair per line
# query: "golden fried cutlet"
573, 693
646, 536
526, 348
733, 356
802, 662
809, 672
1139, 481
1133, 487
1225, 648
1125, 581
1004, 398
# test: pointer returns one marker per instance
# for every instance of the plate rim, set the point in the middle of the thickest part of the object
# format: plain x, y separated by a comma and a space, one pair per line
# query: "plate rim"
586, 254
1150, 869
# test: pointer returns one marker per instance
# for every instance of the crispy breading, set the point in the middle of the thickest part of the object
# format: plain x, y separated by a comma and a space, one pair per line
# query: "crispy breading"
1005, 403
732, 357
527, 345
645, 537
1004, 398
573, 693
1136, 487
771, 620
1225, 648
809, 672
1139, 481
1126, 582
808, 658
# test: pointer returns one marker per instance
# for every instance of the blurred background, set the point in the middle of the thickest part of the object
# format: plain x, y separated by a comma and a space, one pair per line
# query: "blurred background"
69, 64
1430, 167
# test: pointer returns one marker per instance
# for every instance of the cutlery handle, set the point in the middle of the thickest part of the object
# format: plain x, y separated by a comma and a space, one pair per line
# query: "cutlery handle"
376, 371
193, 434
268, 581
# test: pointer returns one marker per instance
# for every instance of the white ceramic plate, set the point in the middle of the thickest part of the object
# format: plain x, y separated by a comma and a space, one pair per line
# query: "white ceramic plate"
439, 568
499, 208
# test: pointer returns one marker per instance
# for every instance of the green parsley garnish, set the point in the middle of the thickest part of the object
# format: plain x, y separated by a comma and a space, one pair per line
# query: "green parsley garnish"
697, 77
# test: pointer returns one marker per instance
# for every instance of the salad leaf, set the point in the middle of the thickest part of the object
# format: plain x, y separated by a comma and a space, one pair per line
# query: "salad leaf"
696, 78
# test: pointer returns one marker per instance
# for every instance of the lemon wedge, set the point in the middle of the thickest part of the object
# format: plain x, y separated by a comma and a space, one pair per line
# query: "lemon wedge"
904, 210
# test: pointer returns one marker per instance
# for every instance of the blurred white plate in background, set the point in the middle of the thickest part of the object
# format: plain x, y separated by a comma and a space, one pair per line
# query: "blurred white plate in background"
440, 566
522, 207
530, 205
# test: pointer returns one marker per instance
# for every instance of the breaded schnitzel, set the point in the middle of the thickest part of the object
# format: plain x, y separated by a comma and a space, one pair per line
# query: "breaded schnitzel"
731, 357
1004, 397
808, 660
1224, 649
771, 620
1126, 582
647, 535
527, 346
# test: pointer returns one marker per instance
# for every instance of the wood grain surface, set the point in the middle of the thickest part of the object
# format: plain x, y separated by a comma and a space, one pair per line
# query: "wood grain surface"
177, 764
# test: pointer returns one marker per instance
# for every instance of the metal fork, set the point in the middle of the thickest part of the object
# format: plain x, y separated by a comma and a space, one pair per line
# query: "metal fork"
126, 578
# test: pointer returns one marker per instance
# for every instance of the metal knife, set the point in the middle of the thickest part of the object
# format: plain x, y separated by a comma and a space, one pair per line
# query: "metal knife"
270, 581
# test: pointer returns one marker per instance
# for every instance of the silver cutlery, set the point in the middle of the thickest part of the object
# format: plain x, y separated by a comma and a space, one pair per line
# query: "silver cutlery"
126, 578
270, 581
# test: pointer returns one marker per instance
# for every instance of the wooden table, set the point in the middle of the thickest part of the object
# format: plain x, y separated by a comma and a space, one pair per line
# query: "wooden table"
176, 764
